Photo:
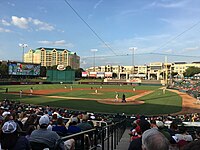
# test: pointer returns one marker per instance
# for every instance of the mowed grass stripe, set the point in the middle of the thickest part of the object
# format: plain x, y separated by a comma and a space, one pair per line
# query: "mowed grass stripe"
155, 103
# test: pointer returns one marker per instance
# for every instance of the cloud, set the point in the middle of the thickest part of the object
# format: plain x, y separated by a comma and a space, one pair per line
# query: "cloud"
56, 43
20, 22
192, 48
97, 4
4, 30
168, 51
11, 4
5, 23
128, 12
166, 4
26, 23
41, 25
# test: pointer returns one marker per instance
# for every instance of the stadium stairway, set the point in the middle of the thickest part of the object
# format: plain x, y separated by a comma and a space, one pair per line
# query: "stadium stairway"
124, 142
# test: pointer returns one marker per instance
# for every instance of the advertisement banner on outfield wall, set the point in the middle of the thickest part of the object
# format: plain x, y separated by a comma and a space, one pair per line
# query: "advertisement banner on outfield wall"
100, 74
108, 74
93, 74
84, 74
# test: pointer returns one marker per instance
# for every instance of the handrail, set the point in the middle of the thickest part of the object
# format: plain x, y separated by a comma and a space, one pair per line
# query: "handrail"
106, 137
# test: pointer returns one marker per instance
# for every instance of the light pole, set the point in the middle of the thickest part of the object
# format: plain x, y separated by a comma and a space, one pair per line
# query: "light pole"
133, 50
94, 50
23, 46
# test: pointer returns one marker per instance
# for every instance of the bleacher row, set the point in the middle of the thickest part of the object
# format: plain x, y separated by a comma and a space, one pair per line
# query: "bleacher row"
28, 123
23, 126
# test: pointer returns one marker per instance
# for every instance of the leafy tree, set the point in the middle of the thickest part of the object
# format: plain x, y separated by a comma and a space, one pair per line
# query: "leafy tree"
43, 71
68, 68
78, 72
54, 67
114, 75
4, 70
191, 71
174, 74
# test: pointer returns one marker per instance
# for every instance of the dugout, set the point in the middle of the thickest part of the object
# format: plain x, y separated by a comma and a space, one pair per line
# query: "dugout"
65, 76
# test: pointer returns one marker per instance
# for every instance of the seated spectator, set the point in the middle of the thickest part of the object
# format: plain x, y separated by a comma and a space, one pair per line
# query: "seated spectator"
23, 117
132, 130
73, 128
60, 128
137, 133
10, 138
136, 144
32, 120
197, 134
153, 124
54, 119
164, 131
183, 135
84, 125
30, 129
194, 145
45, 136
173, 129
152, 139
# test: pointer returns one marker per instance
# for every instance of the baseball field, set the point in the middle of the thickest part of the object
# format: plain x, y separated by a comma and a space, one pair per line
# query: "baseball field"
148, 100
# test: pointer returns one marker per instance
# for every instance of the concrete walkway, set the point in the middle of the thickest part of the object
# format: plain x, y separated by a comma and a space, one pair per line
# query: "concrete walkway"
124, 142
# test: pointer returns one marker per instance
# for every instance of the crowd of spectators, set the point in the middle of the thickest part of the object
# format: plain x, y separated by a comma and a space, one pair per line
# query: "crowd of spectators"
192, 87
164, 133
22, 126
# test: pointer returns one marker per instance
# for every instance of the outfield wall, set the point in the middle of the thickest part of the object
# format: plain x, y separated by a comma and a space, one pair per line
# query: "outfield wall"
60, 76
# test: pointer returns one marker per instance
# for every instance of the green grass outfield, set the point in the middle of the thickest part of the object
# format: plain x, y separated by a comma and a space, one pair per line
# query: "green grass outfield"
154, 103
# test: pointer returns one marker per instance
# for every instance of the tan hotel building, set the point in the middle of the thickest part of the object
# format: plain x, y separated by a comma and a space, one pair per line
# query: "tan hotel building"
156, 70
52, 56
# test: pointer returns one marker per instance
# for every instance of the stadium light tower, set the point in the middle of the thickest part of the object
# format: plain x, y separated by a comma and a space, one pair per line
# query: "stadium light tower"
94, 51
23, 46
132, 49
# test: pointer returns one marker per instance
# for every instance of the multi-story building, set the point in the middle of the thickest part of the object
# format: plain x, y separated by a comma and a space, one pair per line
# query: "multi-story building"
180, 67
52, 56
156, 70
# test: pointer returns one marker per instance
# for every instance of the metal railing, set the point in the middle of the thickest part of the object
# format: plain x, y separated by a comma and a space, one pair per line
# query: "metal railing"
103, 138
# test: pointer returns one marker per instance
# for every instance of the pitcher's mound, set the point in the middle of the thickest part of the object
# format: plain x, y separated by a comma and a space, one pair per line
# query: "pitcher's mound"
112, 102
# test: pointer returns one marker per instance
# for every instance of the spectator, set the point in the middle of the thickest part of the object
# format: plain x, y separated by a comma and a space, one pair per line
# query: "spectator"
183, 135
73, 128
10, 138
152, 139
136, 144
32, 120
60, 128
194, 145
84, 125
45, 136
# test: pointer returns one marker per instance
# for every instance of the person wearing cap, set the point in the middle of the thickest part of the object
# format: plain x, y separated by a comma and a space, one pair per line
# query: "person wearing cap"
10, 138
45, 136
73, 128
164, 131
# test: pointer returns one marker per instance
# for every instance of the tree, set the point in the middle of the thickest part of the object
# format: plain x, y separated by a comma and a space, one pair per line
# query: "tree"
114, 75
68, 68
78, 72
4, 70
54, 67
174, 74
191, 71
43, 71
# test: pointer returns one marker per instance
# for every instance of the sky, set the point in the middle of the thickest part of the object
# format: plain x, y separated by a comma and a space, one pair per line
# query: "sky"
159, 30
